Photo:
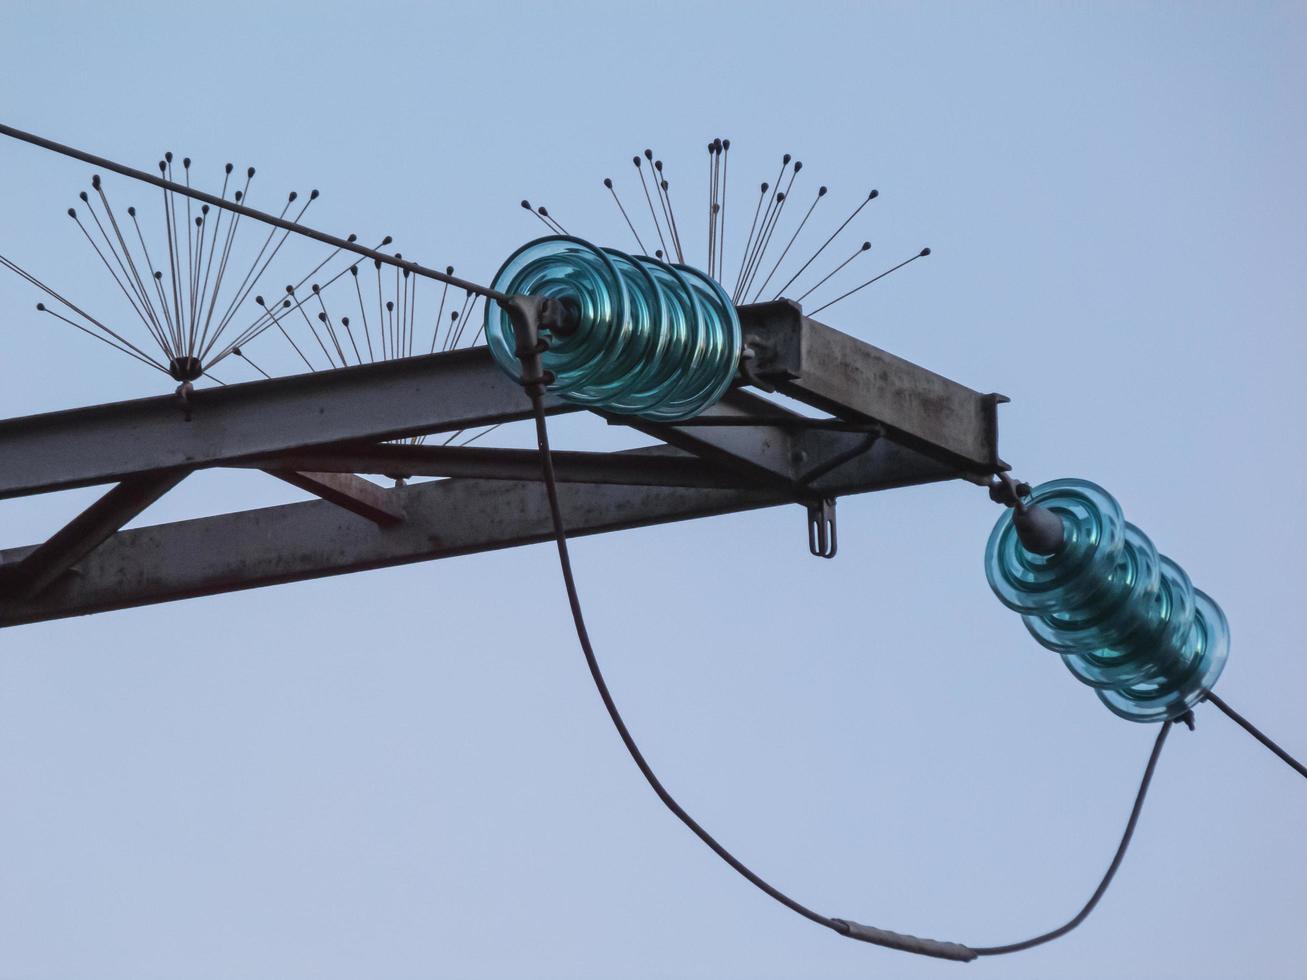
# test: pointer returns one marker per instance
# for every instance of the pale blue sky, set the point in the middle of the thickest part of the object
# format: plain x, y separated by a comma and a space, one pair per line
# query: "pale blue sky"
370, 776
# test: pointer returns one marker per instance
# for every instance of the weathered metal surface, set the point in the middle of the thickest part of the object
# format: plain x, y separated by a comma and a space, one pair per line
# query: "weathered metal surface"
669, 468
44, 564
386, 400
445, 518
765, 453
344, 489
907, 426
839, 374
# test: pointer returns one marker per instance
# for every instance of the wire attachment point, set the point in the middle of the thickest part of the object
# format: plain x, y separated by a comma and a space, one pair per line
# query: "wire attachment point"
823, 541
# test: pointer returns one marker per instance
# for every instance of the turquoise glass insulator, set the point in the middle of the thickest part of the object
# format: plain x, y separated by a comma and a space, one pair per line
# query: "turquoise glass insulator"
656, 340
1126, 620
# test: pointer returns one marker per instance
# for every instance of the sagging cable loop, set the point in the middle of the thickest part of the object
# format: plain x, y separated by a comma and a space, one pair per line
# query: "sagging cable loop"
534, 385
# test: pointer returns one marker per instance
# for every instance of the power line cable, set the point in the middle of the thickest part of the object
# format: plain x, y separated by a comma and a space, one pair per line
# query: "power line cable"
1252, 730
845, 927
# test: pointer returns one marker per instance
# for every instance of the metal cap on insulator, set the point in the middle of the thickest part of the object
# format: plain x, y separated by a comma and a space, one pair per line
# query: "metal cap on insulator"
1038, 529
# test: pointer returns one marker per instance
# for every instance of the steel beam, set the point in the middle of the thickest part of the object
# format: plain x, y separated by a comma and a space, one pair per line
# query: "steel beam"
670, 468
386, 400
301, 541
344, 489
841, 375
765, 453
463, 389
44, 564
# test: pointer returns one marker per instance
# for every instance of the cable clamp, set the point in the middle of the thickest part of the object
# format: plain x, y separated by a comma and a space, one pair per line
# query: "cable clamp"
823, 541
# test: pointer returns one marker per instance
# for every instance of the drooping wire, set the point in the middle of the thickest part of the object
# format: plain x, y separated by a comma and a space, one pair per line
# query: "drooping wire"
1256, 733
578, 618
847, 928
1117, 858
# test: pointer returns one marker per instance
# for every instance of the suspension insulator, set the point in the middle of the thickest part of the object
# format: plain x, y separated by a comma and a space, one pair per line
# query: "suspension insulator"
655, 340
1126, 620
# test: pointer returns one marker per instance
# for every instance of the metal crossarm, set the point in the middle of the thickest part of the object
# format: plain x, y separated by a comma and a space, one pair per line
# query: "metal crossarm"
893, 424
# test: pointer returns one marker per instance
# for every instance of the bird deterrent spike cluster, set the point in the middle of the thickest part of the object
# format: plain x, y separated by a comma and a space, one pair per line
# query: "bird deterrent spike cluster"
652, 339
1126, 620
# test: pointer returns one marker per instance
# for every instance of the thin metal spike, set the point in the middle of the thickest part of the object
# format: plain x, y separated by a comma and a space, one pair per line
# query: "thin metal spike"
253, 277
664, 189
821, 192
232, 225
72, 213
155, 275
381, 315
649, 200
866, 246
766, 215
95, 183
190, 264
367, 331
544, 213
440, 313
24, 274
608, 182
660, 191
538, 216
174, 262
920, 255
869, 198
246, 358
277, 321
721, 231
765, 240
156, 329
262, 322
757, 209
90, 333
299, 308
